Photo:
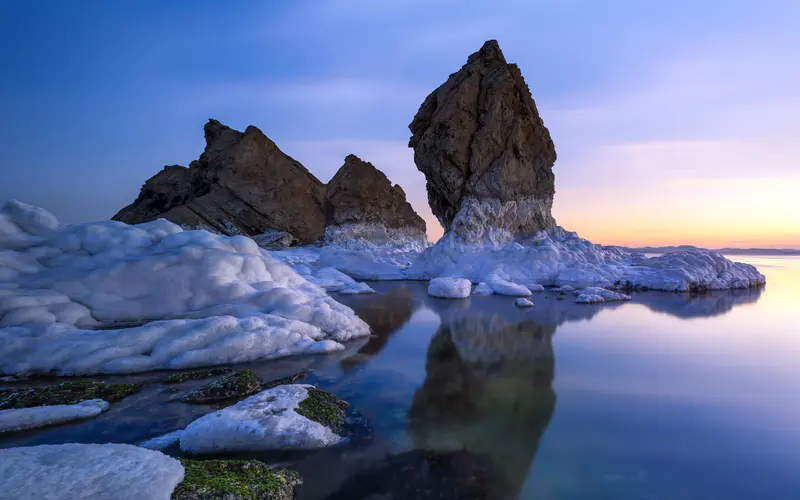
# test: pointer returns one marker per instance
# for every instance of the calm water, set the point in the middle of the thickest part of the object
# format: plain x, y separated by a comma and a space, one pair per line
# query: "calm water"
667, 396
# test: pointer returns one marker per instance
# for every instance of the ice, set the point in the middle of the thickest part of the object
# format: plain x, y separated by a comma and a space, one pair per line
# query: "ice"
265, 421
107, 297
523, 302
96, 471
17, 419
483, 288
557, 257
449, 288
333, 280
535, 288
164, 441
596, 295
503, 287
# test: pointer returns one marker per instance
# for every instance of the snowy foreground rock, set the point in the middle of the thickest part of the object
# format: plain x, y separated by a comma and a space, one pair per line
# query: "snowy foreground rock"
101, 472
107, 297
18, 419
449, 288
269, 420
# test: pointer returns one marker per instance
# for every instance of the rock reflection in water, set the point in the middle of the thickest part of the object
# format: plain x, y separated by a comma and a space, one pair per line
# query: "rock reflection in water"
488, 391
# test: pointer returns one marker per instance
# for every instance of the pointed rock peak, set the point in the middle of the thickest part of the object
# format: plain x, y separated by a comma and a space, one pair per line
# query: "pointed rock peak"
490, 52
213, 130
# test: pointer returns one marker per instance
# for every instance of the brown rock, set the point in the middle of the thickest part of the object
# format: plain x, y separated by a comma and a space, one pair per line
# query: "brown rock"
483, 148
361, 194
241, 184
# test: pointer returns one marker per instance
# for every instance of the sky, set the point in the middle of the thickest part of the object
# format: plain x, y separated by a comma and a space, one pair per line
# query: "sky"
675, 122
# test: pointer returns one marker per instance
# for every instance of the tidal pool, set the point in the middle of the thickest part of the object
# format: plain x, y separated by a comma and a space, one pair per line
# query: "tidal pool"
667, 396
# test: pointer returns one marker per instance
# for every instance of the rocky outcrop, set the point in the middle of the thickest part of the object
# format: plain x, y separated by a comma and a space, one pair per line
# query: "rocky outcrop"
485, 152
360, 201
241, 184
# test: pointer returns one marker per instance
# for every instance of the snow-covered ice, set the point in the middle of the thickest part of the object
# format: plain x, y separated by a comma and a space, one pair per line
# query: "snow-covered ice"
503, 287
163, 441
523, 302
597, 295
264, 421
108, 297
96, 471
483, 288
535, 288
449, 288
17, 419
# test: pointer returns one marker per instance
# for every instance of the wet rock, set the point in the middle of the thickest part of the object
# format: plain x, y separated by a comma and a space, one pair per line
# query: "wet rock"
235, 385
485, 152
360, 201
235, 480
324, 408
283, 381
66, 393
177, 378
241, 184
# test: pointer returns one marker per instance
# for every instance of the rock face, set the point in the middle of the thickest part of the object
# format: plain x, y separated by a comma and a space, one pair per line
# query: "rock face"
485, 152
241, 184
361, 201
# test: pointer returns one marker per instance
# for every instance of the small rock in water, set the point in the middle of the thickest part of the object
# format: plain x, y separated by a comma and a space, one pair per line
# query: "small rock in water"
235, 385
523, 302
177, 378
235, 480
286, 417
449, 288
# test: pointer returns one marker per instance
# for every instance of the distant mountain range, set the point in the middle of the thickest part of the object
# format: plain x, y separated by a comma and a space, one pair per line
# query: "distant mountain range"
731, 251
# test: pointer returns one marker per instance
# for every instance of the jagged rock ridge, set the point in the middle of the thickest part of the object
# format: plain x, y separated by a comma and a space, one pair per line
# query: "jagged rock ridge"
485, 152
241, 184
361, 201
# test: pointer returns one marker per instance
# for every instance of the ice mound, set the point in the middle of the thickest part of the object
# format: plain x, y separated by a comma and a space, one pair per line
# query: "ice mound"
97, 471
449, 288
18, 419
596, 295
523, 302
107, 297
333, 280
557, 258
265, 421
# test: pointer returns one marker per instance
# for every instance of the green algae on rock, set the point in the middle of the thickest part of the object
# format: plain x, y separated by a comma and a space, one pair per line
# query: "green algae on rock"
324, 408
283, 381
177, 378
235, 480
235, 385
66, 393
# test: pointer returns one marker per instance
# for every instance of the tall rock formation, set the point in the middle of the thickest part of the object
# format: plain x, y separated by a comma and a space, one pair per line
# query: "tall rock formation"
485, 152
241, 184
361, 202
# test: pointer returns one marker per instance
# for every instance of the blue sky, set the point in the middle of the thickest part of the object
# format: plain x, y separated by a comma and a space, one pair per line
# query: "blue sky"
675, 122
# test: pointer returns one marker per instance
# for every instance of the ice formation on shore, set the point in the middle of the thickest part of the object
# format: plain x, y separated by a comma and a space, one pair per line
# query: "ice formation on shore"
107, 297
99, 471
18, 419
449, 288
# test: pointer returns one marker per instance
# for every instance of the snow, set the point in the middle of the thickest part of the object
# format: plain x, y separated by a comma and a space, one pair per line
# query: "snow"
164, 441
17, 419
483, 288
523, 302
96, 471
108, 297
333, 280
535, 288
596, 295
449, 288
265, 421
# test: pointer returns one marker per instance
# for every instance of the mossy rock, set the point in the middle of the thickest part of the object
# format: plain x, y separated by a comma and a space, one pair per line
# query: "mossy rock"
324, 408
66, 393
283, 381
177, 378
235, 480
235, 385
